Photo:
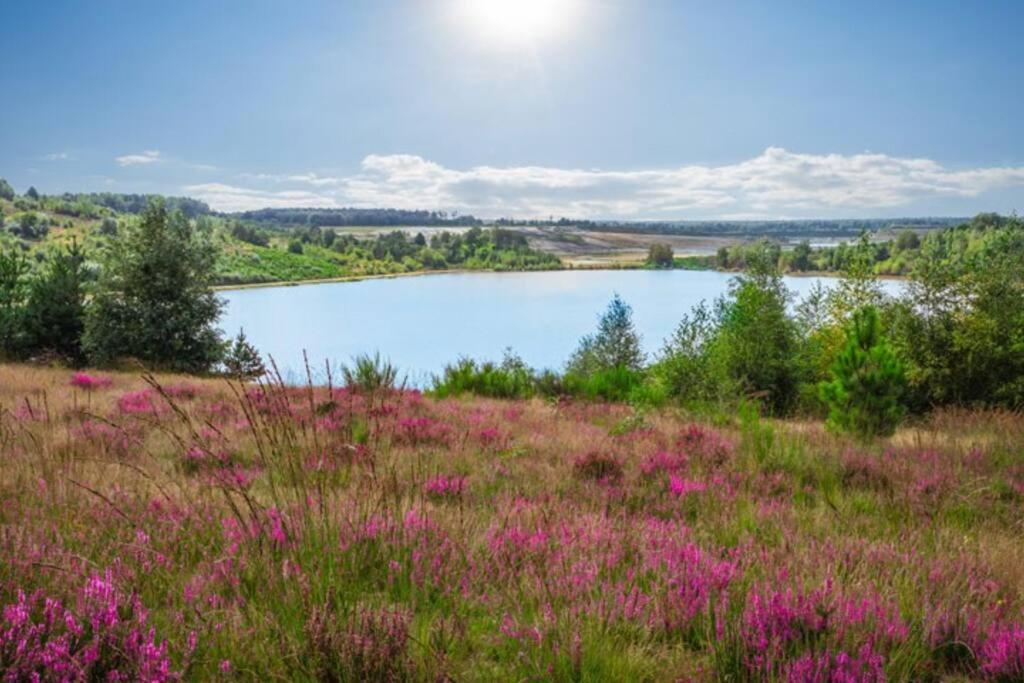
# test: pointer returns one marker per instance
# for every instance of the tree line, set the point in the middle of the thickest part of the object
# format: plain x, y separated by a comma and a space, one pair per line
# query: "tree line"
851, 354
150, 301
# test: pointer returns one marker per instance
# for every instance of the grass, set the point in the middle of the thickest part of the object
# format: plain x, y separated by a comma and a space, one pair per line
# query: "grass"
200, 528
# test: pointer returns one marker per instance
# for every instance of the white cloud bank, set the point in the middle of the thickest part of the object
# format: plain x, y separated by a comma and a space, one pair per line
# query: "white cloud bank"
149, 156
776, 183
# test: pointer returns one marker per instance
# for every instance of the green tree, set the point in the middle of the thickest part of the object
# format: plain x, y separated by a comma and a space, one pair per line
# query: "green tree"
756, 341
907, 240
865, 393
32, 194
153, 300
55, 310
660, 255
6, 191
801, 260
615, 345
14, 268
242, 360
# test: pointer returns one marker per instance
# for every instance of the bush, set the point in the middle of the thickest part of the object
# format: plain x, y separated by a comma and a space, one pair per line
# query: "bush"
370, 373
511, 379
598, 466
616, 383
864, 394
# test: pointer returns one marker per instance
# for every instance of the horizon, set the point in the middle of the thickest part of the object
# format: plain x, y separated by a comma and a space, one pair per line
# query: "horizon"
603, 111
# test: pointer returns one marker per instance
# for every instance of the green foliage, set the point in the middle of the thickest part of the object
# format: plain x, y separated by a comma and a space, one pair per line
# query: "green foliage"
32, 194
6, 191
660, 255
242, 359
864, 396
318, 253
615, 346
908, 240
509, 379
55, 309
14, 268
615, 383
800, 259
370, 373
108, 227
960, 327
245, 233
153, 301
755, 342
683, 367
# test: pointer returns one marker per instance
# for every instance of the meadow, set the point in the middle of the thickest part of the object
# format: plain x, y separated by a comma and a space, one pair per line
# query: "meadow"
166, 527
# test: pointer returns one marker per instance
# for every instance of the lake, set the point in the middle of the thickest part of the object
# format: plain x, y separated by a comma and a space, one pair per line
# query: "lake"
422, 323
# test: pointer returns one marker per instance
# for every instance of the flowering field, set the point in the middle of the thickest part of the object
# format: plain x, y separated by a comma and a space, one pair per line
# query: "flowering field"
181, 528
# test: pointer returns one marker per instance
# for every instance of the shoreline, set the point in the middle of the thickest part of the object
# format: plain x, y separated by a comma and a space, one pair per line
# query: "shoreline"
465, 271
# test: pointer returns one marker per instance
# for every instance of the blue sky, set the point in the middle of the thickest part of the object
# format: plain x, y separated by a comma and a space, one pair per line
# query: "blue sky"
637, 109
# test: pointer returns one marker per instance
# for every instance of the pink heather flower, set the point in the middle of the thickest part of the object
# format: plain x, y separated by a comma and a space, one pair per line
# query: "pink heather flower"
225, 666
682, 487
136, 402
445, 487
277, 531
1002, 655
663, 461
83, 380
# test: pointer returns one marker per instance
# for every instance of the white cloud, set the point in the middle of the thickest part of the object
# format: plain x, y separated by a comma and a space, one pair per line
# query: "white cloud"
230, 198
57, 156
149, 156
776, 183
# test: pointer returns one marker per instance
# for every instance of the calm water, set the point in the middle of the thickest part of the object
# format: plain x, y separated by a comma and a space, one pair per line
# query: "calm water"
422, 323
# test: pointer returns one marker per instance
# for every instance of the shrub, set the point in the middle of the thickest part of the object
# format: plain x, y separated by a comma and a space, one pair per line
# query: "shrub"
367, 644
511, 379
370, 373
616, 383
867, 381
597, 466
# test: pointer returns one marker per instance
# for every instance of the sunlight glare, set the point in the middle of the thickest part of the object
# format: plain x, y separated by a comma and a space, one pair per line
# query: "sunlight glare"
516, 23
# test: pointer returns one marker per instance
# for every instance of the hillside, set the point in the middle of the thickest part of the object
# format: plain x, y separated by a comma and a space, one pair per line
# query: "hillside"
221, 530
253, 252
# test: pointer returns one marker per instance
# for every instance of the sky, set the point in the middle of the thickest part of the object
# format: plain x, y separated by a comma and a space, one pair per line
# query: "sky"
639, 109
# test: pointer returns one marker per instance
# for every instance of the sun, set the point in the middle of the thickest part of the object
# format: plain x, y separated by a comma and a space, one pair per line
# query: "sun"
516, 23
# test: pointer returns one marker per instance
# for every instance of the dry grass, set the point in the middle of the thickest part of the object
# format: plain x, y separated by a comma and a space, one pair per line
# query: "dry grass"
299, 533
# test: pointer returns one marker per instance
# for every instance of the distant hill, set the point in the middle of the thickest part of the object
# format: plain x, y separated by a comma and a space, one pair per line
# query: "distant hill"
806, 227
353, 217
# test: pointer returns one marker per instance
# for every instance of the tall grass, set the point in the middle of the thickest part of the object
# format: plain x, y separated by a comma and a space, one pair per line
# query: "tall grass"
167, 527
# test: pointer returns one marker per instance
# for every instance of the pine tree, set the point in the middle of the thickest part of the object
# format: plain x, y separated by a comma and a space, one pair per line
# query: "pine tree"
55, 310
864, 396
616, 344
242, 360
153, 300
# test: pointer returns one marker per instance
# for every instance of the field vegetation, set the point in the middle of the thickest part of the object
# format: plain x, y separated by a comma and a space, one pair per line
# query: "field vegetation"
166, 527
